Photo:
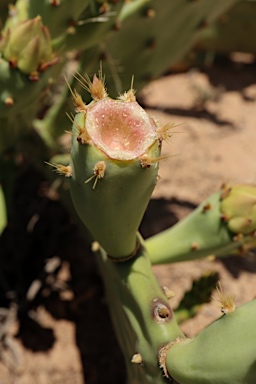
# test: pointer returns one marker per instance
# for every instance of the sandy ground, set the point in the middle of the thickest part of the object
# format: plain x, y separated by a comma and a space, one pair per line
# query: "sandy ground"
213, 142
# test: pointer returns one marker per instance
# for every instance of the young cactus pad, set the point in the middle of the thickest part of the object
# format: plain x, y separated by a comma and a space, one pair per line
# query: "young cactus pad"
114, 165
222, 353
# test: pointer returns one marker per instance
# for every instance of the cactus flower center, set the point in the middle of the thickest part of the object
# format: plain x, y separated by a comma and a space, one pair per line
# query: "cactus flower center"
122, 130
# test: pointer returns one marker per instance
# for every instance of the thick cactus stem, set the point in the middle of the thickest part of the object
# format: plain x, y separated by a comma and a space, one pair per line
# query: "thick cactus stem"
111, 140
141, 314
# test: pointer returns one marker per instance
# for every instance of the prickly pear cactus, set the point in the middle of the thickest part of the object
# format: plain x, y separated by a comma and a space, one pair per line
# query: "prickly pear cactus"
152, 36
231, 32
81, 26
115, 153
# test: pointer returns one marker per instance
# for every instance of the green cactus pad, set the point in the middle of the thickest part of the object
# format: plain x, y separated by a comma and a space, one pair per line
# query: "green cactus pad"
211, 229
114, 172
223, 353
152, 37
141, 314
232, 32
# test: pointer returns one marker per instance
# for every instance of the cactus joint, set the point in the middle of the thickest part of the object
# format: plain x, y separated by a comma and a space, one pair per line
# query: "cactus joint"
162, 354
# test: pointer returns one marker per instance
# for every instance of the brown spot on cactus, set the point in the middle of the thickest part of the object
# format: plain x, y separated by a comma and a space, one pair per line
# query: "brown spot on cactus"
34, 76
9, 101
55, 3
151, 43
104, 8
194, 246
225, 190
12, 63
207, 207
161, 312
150, 12
239, 237
83, 137
224, 217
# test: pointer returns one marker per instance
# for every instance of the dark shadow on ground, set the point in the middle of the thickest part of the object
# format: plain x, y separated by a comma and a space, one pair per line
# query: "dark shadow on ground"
237, 264
223, 71
160, 215
193, 113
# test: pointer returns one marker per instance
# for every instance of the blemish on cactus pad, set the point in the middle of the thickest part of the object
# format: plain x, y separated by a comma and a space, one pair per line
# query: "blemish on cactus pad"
161, 311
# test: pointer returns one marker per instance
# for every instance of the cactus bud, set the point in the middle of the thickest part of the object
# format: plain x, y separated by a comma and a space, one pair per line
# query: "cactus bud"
238, 205
27, 45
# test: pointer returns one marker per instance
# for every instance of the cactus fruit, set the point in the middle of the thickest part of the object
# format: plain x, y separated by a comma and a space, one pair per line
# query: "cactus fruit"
222, 353
114, 165
222, 224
